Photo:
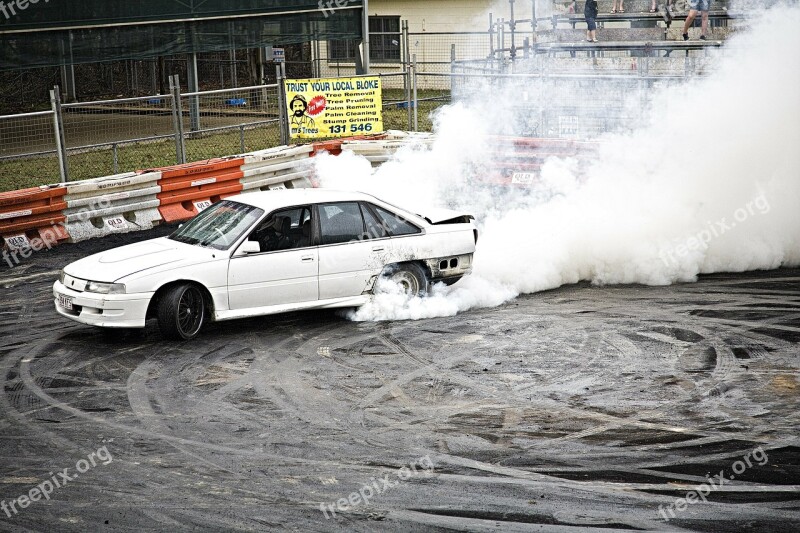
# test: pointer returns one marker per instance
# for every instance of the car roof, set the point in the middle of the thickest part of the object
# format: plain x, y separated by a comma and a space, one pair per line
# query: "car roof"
277, 198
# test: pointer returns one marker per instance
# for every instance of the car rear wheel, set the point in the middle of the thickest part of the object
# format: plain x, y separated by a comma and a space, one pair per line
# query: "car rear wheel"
181, 312
411, 278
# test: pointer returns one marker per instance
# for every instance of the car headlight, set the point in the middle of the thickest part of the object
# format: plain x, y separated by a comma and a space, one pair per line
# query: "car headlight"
61, 277
105, 288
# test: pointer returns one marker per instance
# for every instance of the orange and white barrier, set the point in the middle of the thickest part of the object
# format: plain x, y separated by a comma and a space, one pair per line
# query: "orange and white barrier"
29, 214
112, 204
188, 189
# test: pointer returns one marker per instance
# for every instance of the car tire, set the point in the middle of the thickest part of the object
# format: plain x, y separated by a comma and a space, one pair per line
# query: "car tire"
411, 277
181, 312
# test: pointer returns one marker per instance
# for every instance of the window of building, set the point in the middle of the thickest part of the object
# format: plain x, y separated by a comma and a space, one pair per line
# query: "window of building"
384, 42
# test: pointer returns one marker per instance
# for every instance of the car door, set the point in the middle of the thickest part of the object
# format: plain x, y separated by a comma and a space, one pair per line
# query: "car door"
286, 269
348, 256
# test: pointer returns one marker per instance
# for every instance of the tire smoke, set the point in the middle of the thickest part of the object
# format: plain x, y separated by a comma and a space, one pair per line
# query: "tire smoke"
708, 181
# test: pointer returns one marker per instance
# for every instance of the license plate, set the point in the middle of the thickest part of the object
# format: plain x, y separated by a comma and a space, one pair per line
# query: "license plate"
202, 205
522, 178
65, 301
18, 242
116, 223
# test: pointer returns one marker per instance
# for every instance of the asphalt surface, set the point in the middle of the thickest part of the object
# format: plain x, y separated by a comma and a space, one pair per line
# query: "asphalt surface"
582, 408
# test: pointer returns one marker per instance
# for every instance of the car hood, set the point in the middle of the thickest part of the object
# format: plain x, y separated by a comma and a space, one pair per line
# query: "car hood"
113, 265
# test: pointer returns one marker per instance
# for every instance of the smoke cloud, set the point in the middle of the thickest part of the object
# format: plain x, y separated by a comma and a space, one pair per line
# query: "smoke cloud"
707, 180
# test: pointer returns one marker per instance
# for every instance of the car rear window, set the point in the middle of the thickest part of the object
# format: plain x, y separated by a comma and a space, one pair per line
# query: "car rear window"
394, 224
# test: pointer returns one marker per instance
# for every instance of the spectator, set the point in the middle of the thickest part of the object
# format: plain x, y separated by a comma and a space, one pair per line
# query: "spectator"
590, 14
614, 8
653, 7
571, 8
694, 7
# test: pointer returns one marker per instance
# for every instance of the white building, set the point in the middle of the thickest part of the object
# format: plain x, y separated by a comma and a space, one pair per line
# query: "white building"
435, 27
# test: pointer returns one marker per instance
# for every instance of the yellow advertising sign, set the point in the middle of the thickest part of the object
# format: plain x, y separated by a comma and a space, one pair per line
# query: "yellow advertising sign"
338, 107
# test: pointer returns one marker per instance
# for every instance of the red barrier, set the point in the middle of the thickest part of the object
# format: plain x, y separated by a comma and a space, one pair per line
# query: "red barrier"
188, 189
334, 146
35, 213
517, 161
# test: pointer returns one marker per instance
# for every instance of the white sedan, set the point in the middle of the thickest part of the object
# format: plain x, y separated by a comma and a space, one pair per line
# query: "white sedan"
263, 253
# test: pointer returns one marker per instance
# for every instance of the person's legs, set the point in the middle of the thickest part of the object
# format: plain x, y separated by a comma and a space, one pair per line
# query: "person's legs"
703, 24
653, 6
688, 24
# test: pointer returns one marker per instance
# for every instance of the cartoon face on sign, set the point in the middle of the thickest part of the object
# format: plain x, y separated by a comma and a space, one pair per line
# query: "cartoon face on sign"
300, 120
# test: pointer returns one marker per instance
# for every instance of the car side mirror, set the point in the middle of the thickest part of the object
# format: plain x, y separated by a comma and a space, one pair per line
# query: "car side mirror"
250, 247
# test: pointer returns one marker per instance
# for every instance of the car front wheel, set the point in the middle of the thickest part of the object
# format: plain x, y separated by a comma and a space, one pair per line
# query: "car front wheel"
181, 312
411, 279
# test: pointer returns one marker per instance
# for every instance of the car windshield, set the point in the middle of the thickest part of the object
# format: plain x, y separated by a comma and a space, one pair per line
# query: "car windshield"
219, 226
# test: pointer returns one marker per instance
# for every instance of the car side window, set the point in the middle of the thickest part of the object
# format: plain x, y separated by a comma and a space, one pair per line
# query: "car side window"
394, 224
340, 222
375, 229
285, 230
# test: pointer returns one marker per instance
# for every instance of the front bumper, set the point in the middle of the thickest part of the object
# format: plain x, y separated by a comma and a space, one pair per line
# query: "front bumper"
104, 310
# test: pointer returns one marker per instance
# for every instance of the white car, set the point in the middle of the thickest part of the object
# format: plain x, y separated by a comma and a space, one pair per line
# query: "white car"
263, 253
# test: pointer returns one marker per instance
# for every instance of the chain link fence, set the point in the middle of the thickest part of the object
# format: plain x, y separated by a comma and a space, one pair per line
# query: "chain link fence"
108, 136
27, 90
28, 150
225, 122
105, 137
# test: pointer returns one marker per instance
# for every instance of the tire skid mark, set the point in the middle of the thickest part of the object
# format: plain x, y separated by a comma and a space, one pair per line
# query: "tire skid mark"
139, 401
234, 450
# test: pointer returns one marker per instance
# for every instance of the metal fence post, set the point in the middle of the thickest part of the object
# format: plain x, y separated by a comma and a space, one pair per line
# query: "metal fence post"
491, 36
452, 65
194, 87
408, 96
407, 78
241, 138
414, 87
512, 24
58, 129
283, 113
177, 119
